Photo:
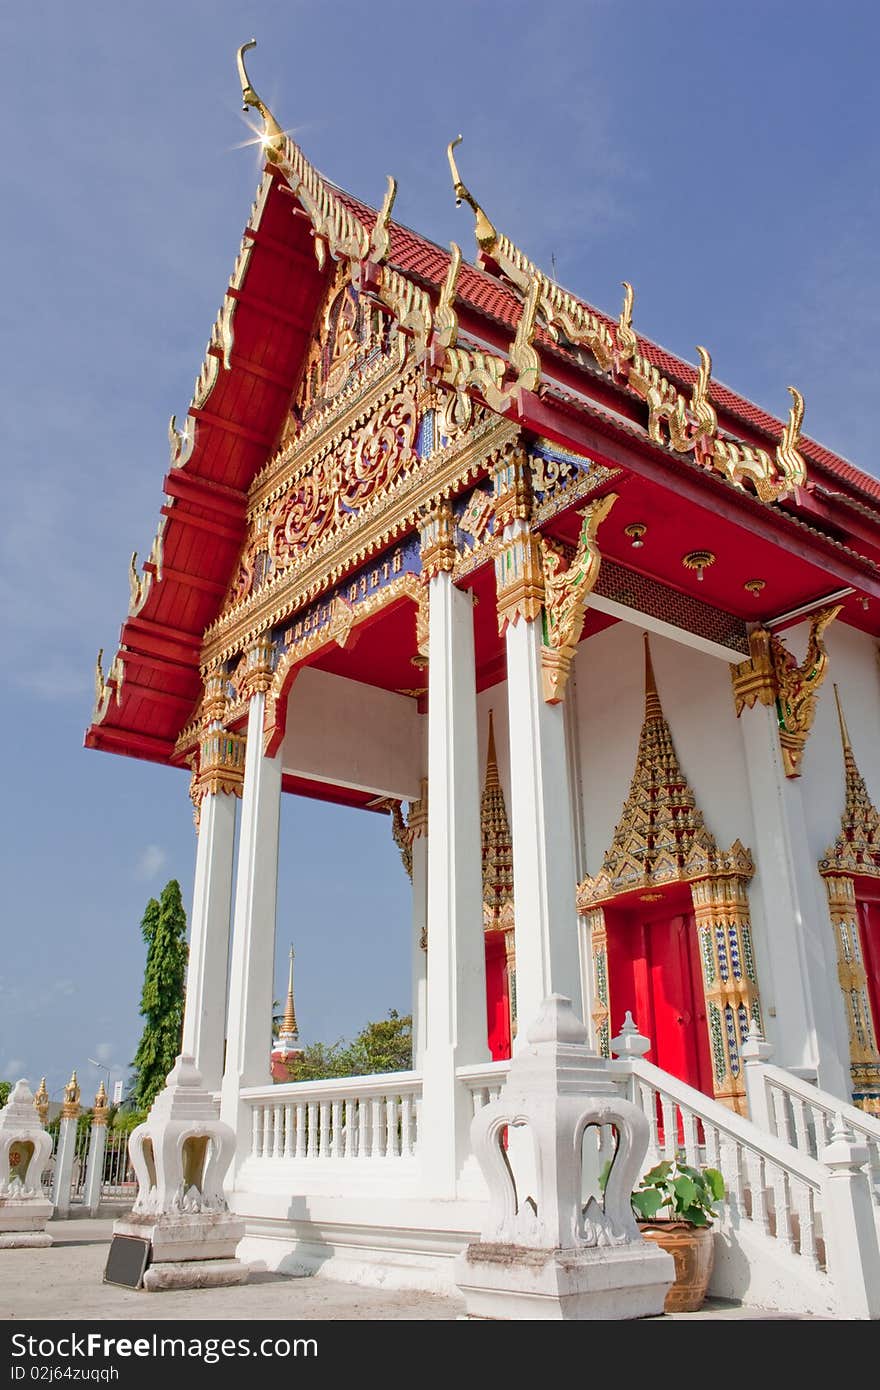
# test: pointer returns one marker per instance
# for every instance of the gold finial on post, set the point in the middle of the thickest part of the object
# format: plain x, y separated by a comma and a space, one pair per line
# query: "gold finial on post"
70, 1106
41, 1102
485, 232
101, 1107
273, 136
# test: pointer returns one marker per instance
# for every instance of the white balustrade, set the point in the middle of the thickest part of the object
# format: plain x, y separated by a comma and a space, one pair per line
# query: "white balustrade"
354, 1117
771, 1185
484, 1082
797, 1112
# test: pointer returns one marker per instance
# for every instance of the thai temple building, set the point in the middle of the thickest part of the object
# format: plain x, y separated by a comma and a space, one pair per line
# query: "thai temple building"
441, 541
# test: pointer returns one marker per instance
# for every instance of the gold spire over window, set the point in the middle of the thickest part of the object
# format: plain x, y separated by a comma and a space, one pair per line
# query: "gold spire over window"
497, 845
857, 848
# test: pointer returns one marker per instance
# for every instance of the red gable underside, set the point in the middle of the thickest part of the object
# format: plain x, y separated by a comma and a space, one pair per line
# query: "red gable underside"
238, 427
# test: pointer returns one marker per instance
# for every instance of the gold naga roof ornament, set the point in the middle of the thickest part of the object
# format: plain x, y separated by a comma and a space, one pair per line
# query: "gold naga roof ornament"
336, 229
684, 426
380, 241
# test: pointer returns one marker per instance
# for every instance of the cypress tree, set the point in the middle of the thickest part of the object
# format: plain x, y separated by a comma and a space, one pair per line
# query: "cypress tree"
164, 930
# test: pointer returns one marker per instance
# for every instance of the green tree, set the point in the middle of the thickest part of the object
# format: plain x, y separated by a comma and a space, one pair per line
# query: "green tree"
5, 1088
382, 1046
164, 931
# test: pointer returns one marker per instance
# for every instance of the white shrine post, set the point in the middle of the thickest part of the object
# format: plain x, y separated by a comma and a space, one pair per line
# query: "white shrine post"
66, 1148
456, 988
544, 870
95, 1160
418, 826
214, 791
249, 1029
797, 939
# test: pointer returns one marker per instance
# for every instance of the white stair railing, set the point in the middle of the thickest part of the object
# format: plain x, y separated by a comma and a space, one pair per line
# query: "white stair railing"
815, 1212
801, 1114
354, 1117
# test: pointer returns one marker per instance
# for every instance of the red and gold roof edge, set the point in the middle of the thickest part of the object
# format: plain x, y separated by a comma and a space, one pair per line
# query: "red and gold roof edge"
208, 488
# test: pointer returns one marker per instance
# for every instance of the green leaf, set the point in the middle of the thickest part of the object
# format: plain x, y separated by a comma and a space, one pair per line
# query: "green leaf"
603, 1176
658, 1174
695, 1215
647, 1203
715, 1183
685, 1190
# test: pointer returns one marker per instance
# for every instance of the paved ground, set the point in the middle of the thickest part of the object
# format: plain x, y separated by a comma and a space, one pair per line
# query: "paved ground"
65, 1281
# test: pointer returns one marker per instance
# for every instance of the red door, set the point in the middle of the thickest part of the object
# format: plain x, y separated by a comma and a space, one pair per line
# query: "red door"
869, 932
654, 971
497, 997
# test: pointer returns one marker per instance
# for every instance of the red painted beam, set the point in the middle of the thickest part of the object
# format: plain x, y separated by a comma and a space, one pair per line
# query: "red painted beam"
270, 310
187, 486
128, 742
157, 694
281, 248
229, 427
244, 364
191, 581
570, 427
203, 523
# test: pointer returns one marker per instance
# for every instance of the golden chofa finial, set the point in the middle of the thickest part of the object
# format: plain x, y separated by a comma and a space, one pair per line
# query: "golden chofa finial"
791, 463
625, 338
272, 137
380, 241
701, 406
486, 233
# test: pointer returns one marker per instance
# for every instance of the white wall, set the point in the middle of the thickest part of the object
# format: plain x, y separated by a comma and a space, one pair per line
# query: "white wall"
342, 731
695, 693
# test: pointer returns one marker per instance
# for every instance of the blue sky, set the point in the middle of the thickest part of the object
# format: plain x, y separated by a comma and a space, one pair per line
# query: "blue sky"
722, 157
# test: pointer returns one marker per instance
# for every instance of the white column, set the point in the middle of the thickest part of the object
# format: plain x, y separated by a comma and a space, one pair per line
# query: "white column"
419, 954
204, 1019
95, 1166
544, 873
456, 992
249, 1030
64, 1165
792, 935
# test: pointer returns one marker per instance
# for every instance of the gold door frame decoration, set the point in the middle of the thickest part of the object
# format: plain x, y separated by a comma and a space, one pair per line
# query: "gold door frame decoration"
661, 839
855, 854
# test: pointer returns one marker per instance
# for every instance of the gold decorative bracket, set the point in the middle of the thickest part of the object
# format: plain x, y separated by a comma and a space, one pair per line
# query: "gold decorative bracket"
772, 676
566, 588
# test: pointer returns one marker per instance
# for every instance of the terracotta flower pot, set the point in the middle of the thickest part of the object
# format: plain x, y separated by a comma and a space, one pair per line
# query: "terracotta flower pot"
693, 1249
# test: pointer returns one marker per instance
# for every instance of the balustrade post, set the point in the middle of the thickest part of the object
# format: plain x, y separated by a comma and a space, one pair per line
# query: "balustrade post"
70, 1112
755, 1052
97, 1147
850, 1230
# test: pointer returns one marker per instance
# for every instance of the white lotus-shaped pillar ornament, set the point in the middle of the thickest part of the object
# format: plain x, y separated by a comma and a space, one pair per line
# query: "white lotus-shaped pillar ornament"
181, 1152
25, 1148
544, 1252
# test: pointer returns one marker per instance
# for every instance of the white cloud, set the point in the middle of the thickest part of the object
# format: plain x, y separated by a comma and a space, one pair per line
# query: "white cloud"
104, 1051
150, 862
12, 1069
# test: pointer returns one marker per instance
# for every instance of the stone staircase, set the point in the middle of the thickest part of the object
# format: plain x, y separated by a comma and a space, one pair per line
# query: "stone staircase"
799, 1228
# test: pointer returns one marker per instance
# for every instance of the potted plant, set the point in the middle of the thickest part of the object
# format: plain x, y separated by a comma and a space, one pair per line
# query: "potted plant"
675, 1206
